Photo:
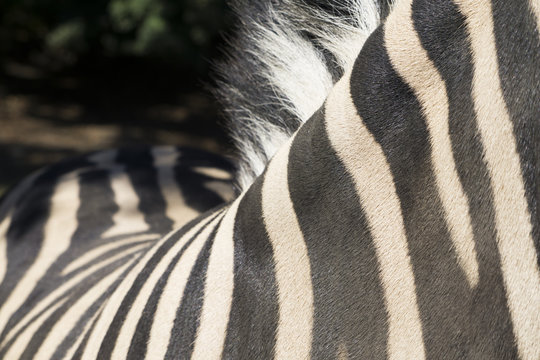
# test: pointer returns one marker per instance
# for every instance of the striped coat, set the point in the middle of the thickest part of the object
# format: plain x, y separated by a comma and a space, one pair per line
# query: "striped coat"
400, 221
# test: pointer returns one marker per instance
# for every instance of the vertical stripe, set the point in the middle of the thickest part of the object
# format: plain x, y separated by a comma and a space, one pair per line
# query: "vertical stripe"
4, 227
139, 343
59, 229
171, 297
116, 299
421, 75
252, 325
177, 210
218, 291
342, 353
347, 292
95, 215
187, 317
121, 317
393, 116
293, 272
486, 326
518, 51
129, 325
535, 6
518, 254
128, 219
70, 353
138, 164
367, 165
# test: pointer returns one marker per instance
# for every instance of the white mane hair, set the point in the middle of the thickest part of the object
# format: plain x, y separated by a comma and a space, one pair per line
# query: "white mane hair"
285, 58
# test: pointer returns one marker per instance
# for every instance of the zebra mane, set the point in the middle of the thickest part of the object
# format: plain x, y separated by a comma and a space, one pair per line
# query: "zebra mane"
284, 60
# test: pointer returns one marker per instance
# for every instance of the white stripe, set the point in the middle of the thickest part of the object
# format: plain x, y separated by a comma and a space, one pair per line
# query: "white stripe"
342, 352
364, 160
90, 256
403, 45
517, 252
67, 322
61, 224
18, 347
62, 290
177, 210
4, 227
171, 297
293, 270
218, 291
128, 219
75, 346
115, 300
129, 325
212, 172
535, 6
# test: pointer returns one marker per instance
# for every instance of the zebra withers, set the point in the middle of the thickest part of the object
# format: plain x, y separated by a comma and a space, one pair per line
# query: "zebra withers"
399, 221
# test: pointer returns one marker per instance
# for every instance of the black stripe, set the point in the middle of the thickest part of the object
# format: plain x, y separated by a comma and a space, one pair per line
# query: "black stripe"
97, 197
111, 336
72, 296
385, 7
82, 346
254, 312
26, 231
193, 184
393, 116
83, 321
139, 343
186, 322
138, 163
348, 297
518, 50
40, 334
491, 336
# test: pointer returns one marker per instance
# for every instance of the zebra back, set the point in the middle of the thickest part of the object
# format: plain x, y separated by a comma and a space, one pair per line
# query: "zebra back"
69, 232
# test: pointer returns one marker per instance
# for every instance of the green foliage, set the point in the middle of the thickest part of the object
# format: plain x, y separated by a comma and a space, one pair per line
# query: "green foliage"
66, 31
67, 36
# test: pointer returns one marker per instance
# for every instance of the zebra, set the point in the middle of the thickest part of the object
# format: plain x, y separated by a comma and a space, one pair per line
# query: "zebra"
132, 196
398, 220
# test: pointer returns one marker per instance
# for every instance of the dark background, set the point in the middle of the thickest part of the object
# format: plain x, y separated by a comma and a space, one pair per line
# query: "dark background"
78, 76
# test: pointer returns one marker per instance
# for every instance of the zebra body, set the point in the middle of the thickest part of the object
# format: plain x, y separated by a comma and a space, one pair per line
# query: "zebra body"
399, 221
68, 231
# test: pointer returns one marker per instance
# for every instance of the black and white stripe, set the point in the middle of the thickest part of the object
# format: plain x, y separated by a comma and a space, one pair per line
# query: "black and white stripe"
400, 221
70, 232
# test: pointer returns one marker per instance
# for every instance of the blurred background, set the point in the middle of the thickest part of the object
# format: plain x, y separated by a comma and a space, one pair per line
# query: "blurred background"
78, 76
